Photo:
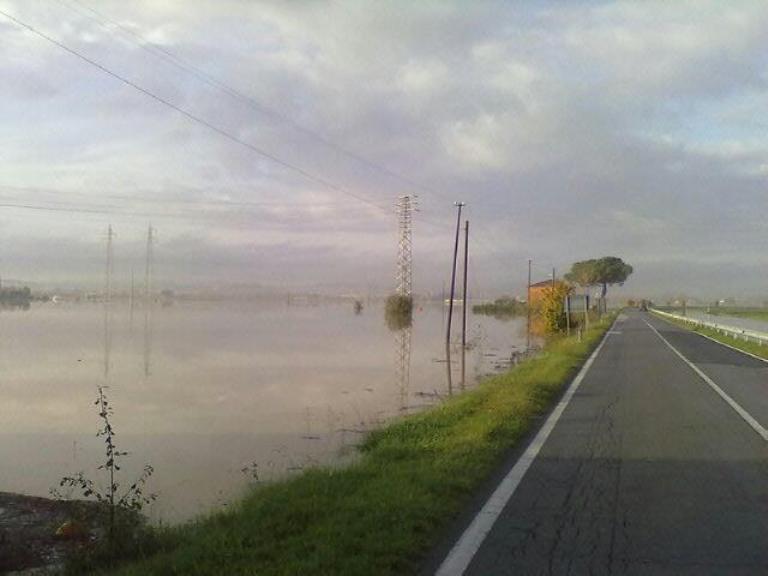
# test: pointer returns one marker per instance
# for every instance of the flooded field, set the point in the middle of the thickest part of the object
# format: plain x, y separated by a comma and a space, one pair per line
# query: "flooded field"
215, 395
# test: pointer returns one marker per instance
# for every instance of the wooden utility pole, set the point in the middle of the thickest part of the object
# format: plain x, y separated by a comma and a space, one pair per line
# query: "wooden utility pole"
465, 300
459, 205
528, 310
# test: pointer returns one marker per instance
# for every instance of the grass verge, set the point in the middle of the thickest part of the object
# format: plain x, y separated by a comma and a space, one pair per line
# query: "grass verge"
751, 347
383, 513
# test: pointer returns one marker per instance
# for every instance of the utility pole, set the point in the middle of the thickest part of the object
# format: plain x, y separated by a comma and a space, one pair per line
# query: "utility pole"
459, 205
465, 301
528, 309
405, 207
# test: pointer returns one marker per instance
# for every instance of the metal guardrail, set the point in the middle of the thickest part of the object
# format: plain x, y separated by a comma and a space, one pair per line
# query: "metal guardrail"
740, 333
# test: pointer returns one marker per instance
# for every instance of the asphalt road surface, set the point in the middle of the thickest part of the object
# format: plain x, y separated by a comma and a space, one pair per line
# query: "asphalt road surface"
649, 470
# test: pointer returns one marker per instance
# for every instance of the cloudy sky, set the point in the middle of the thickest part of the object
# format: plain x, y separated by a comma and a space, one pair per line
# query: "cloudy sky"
267, 141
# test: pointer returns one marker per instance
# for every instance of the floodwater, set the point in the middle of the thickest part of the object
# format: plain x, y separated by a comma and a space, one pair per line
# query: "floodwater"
730, 321
216, 395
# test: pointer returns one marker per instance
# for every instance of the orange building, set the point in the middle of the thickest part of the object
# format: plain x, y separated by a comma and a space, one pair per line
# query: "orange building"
538, 290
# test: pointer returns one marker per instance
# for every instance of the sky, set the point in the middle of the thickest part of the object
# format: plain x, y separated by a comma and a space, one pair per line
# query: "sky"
267, 142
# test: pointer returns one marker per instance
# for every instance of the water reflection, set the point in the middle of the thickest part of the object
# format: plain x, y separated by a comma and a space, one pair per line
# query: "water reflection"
211, 388
403, 368
147, 337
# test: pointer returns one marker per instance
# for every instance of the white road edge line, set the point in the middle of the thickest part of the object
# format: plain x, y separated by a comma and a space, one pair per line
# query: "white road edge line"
746, 416
469, 543
755, 356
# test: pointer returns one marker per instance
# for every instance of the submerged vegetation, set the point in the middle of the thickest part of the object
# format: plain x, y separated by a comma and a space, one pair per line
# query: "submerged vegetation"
398, 311
381, 514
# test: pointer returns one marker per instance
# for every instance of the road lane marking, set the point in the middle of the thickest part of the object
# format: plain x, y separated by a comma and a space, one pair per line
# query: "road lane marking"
460, 556
746, 416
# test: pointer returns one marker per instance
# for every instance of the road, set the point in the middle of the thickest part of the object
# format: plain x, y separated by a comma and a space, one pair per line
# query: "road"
649, 470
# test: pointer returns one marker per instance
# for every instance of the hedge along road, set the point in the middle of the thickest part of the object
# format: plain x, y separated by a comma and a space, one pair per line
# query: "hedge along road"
657, 465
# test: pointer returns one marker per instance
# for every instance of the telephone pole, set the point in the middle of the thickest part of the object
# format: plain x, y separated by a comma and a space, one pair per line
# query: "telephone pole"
465, 301
528, 310
405, 207
458, 205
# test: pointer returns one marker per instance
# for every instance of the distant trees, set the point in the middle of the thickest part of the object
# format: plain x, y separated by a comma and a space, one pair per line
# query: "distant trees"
504, 307
16, 295
603, 272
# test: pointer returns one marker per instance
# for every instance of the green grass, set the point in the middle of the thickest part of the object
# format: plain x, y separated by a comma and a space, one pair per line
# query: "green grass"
383, 513
751, 347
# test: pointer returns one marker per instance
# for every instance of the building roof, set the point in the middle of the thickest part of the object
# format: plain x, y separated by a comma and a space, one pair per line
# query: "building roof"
543, 284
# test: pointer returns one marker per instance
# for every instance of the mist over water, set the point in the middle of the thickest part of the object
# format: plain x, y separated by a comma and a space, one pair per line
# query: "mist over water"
208, 393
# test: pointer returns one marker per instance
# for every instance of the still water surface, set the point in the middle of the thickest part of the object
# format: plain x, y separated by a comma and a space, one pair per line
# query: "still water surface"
209, 392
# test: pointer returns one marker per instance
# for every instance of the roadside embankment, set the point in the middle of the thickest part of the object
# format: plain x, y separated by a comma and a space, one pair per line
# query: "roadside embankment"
733, 338
382, 514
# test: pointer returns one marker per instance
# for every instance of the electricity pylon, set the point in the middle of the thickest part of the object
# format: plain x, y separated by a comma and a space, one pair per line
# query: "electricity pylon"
406, 205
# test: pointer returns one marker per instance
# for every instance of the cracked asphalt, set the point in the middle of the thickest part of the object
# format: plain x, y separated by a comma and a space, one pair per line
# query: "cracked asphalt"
648, 470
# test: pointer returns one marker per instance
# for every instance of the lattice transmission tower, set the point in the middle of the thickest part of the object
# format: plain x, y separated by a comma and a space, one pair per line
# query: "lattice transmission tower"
406, 206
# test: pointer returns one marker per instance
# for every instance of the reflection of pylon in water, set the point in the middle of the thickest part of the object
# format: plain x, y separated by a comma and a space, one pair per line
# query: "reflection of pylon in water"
108, 302
403, 339
148, 271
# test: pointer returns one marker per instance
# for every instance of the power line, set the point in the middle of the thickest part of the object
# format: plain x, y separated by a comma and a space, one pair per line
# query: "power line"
228, 135
174, 60
193, 117
179, 201
169, 57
